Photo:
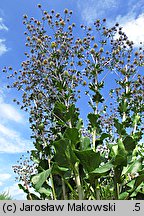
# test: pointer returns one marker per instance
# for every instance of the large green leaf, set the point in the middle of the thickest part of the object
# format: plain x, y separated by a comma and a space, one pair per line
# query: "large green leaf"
40, 178
85, 143
89, 159
65, 155
103, 169
121, 157
129, 143
72, 134
59, 170
60, 155
134, 167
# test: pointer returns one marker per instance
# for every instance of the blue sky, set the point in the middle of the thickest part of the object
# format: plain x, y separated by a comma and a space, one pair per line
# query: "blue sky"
14, 128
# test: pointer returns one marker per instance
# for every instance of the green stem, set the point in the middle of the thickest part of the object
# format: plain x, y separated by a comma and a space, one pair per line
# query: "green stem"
126, 92
97, 190
78, 182
116, 189
70, 187
52, 183
64, 189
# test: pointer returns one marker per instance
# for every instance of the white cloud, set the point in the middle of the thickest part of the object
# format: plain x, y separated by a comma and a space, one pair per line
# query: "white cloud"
129, 14
15, 192
2, 26
3, 48
4, 176
92, 10
133, 27
12, 142
7, 111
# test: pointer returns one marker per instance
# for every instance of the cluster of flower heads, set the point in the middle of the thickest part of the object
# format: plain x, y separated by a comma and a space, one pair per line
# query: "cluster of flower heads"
24, 169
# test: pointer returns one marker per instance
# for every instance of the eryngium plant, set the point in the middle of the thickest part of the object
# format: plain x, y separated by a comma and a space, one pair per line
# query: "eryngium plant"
100, 160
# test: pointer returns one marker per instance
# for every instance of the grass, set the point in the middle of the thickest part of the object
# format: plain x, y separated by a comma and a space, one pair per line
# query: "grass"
5, 196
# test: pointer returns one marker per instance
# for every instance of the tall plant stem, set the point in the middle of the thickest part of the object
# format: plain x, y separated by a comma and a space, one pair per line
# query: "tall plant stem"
97, 190
64, 189
116, 189
126, 92
52, 183
26, 185
78, 182
96, 109
76, 170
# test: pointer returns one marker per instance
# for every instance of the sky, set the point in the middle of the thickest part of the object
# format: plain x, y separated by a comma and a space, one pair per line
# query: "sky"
14, 126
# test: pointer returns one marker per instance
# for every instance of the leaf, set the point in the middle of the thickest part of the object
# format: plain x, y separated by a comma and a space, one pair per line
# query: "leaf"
35, 156
93, 118
23, 188
118, 172
59, 111
103, 169
104, 136
119, 127
79, 124
133, 167
136, 118
72, 115
123, 196
33, 196
60, 155
139, 180
45, 191
64, 154
121, 157
97, 97
113, 150
59, 170
40, 178
89, 159
72, 134
129, 143
123, 106
85, 143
